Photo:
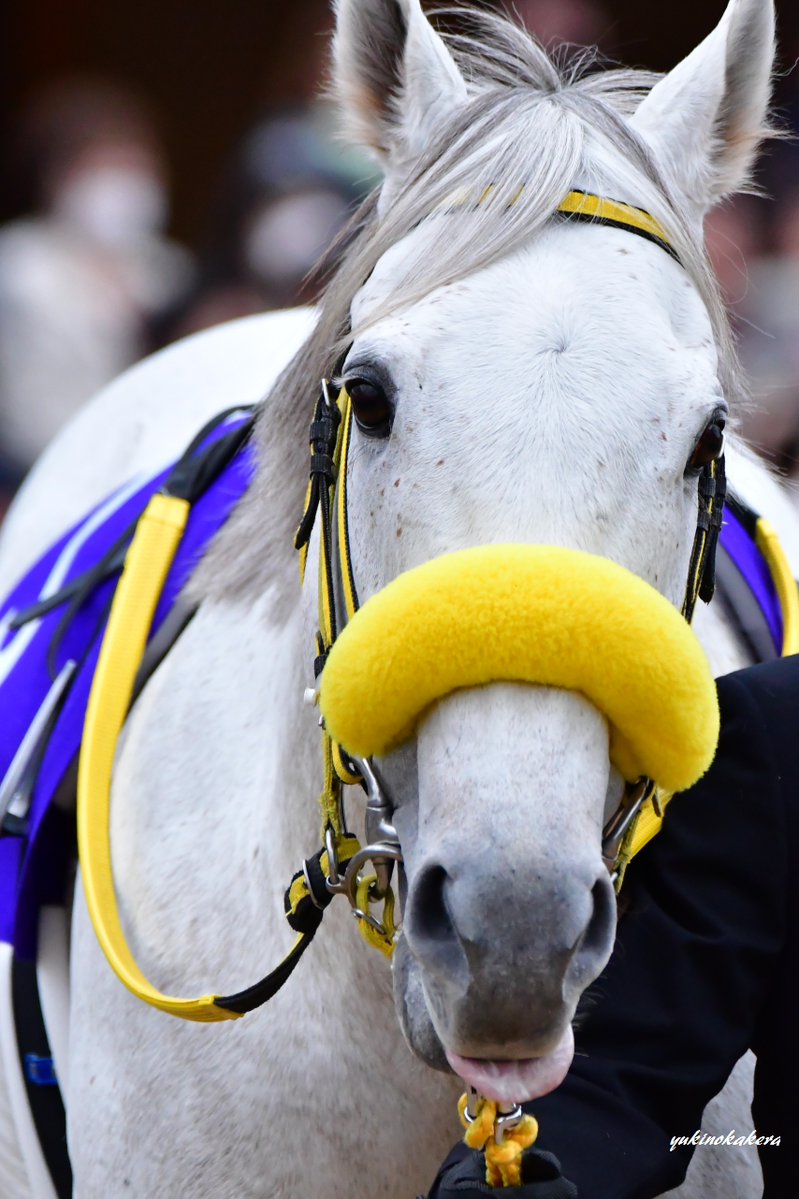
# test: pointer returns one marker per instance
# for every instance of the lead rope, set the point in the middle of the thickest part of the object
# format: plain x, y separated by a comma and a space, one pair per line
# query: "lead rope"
502, 1135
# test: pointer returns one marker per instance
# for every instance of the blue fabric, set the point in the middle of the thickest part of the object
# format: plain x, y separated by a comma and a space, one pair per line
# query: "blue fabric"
741, 547
33, 869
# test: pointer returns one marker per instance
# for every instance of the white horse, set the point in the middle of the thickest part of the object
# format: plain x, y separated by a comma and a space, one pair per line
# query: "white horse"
535, 380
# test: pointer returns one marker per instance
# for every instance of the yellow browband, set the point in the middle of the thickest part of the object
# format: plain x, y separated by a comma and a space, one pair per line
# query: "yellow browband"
580, 205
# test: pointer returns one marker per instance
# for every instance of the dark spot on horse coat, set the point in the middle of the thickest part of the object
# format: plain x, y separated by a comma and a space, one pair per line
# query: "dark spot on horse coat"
399, 532
440, 462
397, 482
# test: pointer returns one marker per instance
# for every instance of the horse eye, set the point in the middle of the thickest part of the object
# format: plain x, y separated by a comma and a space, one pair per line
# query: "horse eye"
709, 447
373, 411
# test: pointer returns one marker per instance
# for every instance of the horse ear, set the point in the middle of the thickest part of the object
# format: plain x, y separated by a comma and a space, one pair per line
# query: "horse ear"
706, 118
393, 76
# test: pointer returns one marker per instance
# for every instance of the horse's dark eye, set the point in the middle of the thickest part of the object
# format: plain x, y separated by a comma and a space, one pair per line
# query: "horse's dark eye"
709, 447
371, 407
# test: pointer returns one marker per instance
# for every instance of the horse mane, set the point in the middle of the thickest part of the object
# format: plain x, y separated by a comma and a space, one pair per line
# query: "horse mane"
534, 118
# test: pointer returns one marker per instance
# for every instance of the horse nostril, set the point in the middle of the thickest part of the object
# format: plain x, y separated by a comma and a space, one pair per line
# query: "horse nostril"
594, 947
431, 919
429, 926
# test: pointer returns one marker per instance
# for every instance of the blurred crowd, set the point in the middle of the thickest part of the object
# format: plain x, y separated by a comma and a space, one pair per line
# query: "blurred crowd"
90, 279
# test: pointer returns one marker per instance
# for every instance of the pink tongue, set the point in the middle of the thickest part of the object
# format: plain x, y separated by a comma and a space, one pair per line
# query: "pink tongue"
516, 1082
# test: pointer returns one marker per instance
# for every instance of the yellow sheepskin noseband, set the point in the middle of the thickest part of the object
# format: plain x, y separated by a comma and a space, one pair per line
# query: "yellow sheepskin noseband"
527, 614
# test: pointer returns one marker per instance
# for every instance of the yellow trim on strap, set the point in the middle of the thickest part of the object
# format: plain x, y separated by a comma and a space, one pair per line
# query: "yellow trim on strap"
147, 564
771, 548
650, 821
347, 582
577, 203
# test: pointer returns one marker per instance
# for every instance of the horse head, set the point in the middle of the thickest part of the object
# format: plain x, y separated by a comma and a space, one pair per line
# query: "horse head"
520, 378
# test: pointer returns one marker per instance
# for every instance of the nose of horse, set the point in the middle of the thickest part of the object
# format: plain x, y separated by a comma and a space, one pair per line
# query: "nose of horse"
538, 941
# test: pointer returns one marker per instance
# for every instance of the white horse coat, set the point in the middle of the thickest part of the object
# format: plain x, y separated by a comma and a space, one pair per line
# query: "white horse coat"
614, 357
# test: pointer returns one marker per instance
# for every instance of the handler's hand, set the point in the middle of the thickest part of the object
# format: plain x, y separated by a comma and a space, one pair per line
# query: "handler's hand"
463, 1177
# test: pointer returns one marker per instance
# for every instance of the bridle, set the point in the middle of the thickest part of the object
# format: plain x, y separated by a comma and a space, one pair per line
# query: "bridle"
330, 438
341, 865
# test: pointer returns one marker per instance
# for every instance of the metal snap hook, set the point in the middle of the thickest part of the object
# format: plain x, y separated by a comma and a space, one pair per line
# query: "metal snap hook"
509, 1115
614, 832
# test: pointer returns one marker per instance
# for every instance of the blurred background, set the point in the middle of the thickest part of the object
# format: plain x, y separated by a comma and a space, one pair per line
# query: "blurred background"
168, 165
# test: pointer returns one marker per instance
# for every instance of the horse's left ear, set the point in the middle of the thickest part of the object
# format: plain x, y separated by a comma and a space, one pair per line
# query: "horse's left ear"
394, 77
706, 118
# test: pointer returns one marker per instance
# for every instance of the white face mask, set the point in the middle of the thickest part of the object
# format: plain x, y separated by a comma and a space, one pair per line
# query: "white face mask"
114, 205
287, 237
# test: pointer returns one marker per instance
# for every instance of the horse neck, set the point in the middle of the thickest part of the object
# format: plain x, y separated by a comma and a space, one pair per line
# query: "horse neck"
261, 661
293, 725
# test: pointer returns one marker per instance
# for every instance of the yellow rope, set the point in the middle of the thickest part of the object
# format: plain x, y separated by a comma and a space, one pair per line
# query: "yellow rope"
384, 941
503, 1162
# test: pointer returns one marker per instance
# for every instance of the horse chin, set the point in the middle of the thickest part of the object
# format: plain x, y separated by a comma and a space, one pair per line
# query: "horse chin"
504, 1080
509, 1079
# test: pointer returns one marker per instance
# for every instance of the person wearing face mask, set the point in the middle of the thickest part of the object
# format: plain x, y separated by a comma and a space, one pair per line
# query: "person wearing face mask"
86, 276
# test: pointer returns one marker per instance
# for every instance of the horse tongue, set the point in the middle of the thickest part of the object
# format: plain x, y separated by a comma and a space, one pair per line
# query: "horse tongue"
516, 1081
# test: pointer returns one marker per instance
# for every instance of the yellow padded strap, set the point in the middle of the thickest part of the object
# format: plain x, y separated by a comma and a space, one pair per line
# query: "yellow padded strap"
524, 613
146, 567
